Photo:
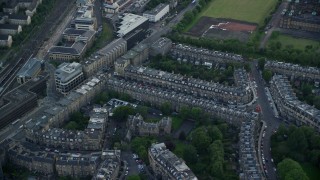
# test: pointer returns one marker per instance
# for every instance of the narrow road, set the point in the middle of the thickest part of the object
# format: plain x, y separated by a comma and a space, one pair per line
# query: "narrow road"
268, 117
273, 23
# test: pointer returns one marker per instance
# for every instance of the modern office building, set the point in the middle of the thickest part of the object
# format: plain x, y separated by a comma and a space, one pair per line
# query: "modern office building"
157, 13
68, 76
85, 23
16, 103
130, 23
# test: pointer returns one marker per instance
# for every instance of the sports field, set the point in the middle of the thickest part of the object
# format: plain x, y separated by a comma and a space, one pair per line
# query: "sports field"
246, 10
296, 43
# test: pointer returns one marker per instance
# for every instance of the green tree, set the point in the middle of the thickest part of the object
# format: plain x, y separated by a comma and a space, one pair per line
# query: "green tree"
184, 112
267, 75
121, 113
297, 141
289, 169
217, 159
166, 108
134, 177
215, 133
196, 113
72, 125
190, 154
200, 140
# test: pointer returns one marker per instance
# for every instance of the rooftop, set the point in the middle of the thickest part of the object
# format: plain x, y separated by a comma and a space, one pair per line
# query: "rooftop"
30, 68
174, 165
130, 22
67, 71
157, 9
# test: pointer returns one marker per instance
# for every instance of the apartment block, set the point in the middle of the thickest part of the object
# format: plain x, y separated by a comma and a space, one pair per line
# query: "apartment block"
68, 76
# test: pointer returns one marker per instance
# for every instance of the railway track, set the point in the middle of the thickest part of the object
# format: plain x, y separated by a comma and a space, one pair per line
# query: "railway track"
29, 49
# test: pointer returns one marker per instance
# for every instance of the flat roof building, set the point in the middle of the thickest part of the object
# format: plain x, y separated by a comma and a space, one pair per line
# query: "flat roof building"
131, 22
29, 70
157, 13
68, 76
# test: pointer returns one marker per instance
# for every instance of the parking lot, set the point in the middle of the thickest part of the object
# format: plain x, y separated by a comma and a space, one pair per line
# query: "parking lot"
135, 165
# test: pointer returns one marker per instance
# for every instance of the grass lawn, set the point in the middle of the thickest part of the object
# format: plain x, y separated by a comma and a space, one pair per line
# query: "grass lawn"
253, 11
176, 123
312, 171
246, 10
297, 43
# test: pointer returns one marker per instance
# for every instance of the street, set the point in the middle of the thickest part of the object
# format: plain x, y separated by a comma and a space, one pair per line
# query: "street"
268, 117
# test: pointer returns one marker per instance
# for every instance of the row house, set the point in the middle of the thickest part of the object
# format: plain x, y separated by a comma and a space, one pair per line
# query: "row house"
91, 138
27, 155
5, 40
157, 96
77, 165
203, 56
301, 15
294, 71
10, 29
13, 6
167, 165
248, 160
55, 114
105, 57
289, 107
19, 19
239, 94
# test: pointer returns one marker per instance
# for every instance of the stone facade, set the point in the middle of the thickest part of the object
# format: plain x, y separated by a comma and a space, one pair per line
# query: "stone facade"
138, 127
167, 165
157, 96
240, 94
289, 107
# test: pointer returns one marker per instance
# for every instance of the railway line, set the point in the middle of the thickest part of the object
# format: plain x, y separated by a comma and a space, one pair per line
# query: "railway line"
31, 47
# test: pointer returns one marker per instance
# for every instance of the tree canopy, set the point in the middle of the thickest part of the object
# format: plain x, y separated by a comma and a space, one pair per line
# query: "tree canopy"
289, 169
